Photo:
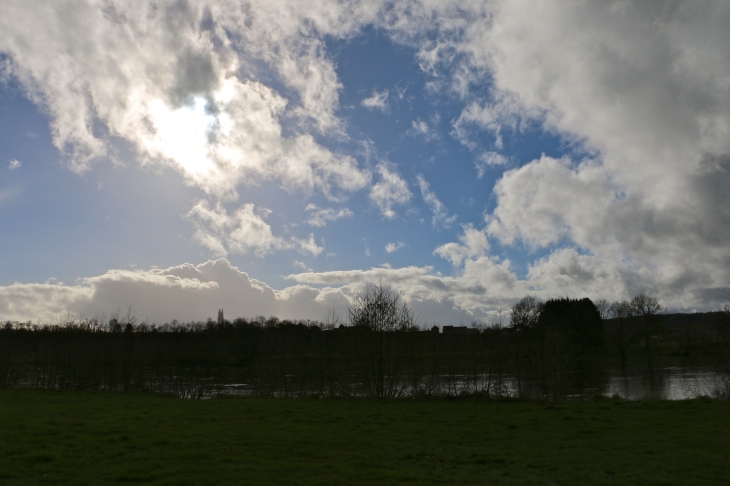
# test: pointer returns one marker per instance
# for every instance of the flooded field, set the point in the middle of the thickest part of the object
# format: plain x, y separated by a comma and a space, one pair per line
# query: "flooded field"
659, 378
300, 361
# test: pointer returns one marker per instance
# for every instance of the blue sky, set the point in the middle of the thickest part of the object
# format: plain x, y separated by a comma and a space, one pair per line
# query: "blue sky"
274, 158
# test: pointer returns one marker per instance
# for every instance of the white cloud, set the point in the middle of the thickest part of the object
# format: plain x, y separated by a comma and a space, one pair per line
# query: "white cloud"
440, 217
244, 231
185, 292
178, 81
319, 217
188, 292
393, 247
423, 129
14, 164
641, 89
483, 287
24, 302
568, 272
420, 127
492, 117
643, 248
310, 246
378, 101
538, 203
389, 191
473, 245
488, 160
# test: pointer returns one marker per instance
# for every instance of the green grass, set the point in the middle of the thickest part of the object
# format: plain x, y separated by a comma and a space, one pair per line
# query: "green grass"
94, 438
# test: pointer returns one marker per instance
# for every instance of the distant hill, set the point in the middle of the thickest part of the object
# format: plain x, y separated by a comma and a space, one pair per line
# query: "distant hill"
705, 321
709, 319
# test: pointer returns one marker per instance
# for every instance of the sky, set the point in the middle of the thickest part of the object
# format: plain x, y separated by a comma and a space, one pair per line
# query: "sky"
272, 157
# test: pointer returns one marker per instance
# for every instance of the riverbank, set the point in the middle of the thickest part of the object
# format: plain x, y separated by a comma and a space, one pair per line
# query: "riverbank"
91, 438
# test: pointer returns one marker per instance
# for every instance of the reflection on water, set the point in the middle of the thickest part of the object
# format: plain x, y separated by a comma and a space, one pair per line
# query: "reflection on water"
668, 378
661, 378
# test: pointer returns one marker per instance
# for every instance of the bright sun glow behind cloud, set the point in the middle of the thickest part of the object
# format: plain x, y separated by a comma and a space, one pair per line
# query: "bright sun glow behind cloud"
182, 136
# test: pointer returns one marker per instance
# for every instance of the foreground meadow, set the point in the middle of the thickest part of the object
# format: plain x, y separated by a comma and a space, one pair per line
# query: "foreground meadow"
91, 438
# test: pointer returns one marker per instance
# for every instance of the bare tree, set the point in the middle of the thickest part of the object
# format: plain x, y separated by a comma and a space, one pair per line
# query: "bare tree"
380, 308
381, 318
555, 353
500, 353
621, 332
604, 308
648, 309
525, 312
331, 319
523, 316
329, 353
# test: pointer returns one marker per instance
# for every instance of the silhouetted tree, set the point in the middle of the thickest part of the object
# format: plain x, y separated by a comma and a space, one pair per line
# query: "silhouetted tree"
648, 309
621, 330
525, 312
380, 318
523, 315
580, 319
604, 308
565, 328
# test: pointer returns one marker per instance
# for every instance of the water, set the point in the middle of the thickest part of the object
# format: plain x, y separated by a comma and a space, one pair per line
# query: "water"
664, 378
667, 378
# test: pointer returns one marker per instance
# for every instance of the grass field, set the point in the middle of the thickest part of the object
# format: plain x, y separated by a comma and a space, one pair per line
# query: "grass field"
95, 438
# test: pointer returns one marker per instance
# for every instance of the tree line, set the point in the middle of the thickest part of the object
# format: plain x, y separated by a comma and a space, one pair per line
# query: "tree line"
536, 349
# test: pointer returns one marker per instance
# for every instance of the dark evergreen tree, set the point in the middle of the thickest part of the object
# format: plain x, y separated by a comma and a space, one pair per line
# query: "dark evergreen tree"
579, 318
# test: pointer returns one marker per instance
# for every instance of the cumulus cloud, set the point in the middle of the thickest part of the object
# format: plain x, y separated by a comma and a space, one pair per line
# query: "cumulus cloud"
389, 191
244, 231
319, 217
185, 292
624, 234
378, 101
483, 284
310, 246
482, 287
393, 247
41, 302
178, 81
640, 88
473, 244
194, 292
537, 203
440, 217
14, 164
